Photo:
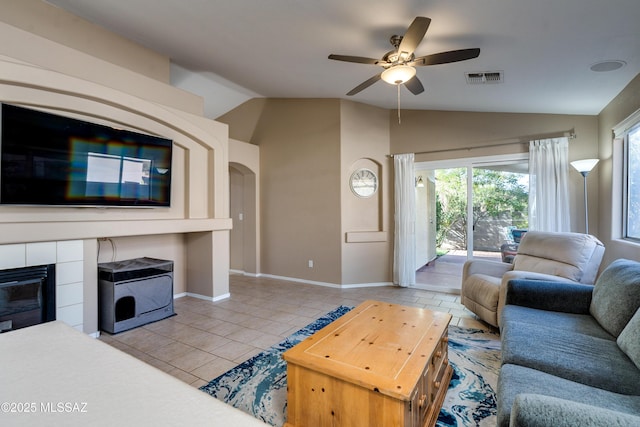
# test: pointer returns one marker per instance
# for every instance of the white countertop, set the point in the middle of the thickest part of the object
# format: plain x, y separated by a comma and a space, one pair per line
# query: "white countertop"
52, 374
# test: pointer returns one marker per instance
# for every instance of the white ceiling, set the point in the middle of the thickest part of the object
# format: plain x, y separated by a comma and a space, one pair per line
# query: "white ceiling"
279, 48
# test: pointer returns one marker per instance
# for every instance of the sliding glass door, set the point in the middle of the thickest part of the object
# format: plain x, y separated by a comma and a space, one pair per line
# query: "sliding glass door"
500, 208
481, 204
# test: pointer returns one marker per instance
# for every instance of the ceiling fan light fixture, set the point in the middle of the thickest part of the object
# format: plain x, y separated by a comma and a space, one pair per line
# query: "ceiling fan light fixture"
398, 74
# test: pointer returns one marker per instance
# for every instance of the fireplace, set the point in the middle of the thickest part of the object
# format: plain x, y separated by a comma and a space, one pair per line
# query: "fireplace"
27, 296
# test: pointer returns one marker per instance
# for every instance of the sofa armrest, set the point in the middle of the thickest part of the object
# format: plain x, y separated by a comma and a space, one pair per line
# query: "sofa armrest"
490, 268
567, 297
535, 410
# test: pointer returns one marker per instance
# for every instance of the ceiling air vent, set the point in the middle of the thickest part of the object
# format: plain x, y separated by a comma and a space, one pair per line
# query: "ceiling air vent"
484, 77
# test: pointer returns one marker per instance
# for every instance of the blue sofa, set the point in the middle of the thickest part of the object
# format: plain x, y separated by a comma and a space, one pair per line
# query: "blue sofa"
571, 352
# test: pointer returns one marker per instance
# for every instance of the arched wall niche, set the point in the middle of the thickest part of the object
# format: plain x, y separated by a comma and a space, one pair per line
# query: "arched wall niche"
366, 214
199, 178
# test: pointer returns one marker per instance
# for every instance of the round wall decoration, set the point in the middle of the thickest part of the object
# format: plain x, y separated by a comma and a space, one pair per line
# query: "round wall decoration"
363, 182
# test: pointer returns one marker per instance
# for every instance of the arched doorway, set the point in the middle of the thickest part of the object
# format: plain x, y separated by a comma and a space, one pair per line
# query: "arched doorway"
243, 210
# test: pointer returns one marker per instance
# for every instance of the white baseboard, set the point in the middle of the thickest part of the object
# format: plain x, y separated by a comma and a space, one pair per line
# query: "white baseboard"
221, 297
326, 284
203, 297
367, 285
243, 273
308, 282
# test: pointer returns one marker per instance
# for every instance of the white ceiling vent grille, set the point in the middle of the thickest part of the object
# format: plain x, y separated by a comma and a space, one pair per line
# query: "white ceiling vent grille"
485, 77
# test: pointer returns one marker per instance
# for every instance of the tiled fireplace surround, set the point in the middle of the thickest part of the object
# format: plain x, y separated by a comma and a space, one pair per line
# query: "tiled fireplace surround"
68, 256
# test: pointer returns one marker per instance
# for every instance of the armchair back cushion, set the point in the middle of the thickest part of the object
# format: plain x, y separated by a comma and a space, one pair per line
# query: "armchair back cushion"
616, 296
573, 256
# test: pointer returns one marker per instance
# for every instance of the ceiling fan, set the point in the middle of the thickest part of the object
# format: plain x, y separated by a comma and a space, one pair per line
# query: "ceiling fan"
399, 64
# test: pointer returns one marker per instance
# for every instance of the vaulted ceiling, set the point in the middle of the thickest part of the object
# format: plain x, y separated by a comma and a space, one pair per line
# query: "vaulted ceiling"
278, 48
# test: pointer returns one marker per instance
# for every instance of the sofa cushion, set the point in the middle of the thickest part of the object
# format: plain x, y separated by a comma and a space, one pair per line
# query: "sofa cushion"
579, 323
515, 380
577, 357
616, 296
566, 297
545, 252
629, 339
538, 410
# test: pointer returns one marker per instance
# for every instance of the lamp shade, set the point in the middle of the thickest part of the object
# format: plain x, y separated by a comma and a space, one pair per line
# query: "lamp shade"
398, 74
585, 165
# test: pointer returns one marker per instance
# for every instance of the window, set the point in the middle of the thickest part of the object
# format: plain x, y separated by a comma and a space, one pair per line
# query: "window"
632, 183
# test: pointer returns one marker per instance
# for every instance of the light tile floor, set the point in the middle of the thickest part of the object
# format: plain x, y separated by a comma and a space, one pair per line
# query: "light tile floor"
205, 339
444, 274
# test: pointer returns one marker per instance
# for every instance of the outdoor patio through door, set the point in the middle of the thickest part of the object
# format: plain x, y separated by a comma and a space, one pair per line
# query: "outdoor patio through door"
480, 204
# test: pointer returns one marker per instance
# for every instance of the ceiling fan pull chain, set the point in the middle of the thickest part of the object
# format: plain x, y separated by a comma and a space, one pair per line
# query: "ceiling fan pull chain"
399, 122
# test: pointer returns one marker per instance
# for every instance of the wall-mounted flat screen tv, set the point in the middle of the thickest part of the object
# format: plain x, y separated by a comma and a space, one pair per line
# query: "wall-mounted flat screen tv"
48, 159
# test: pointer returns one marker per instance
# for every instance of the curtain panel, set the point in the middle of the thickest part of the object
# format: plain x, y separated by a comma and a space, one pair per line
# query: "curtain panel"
548, 185
404, 251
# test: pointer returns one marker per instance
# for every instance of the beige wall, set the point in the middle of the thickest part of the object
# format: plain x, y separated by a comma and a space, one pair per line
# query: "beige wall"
308, 150
50, 22
244, 119
299, 144
448, 134
366, 223
622, 106
299, 183
50, 38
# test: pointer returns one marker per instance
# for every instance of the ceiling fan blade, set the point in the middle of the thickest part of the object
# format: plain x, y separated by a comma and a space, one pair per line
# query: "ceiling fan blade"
356, 59
414, 35
414, 85
446, 57
364, 85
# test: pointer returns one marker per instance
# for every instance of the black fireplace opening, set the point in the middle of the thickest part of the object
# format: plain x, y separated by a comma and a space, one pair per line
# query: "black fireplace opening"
27, 296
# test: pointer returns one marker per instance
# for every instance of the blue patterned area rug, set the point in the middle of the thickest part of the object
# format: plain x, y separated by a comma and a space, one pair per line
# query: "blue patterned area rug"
259, 385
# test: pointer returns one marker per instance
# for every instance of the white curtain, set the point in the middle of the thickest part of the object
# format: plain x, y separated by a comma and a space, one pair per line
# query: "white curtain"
548, 188
404, 248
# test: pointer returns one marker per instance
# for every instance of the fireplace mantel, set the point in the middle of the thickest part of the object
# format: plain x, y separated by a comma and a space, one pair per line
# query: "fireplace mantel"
64, 230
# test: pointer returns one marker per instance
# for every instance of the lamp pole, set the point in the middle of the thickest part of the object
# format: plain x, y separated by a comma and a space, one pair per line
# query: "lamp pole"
586, 210
584, 167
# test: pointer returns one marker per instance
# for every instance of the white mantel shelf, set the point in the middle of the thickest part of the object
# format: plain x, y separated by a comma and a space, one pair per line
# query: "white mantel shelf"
72, 230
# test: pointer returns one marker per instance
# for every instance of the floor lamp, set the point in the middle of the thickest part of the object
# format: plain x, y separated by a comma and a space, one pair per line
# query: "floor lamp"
584, 167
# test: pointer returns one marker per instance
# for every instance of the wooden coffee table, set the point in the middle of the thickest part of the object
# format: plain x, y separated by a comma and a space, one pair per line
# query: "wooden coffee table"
381, 364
